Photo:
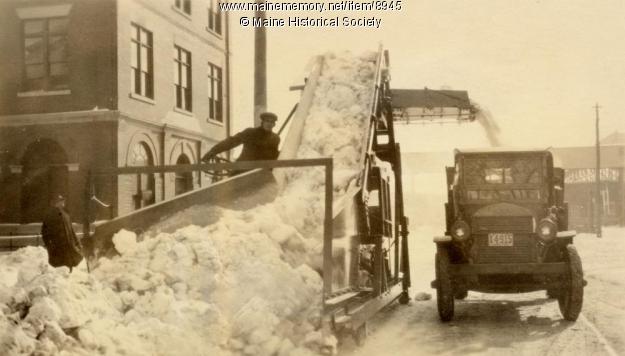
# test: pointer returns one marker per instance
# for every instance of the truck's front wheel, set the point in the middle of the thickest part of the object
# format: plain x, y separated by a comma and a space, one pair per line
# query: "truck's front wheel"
571, 299
444, 286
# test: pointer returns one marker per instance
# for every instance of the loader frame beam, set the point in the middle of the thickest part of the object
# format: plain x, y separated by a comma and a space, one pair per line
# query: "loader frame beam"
241, 165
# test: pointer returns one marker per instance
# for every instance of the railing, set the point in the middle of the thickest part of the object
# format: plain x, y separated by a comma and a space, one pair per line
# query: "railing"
15, 236
11, 243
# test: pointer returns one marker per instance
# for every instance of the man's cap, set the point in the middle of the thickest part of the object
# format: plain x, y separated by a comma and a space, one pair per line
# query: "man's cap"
269, 116
57, 198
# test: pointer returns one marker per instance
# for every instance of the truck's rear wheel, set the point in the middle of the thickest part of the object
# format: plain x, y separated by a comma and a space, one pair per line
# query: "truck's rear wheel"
444, 286
571, 299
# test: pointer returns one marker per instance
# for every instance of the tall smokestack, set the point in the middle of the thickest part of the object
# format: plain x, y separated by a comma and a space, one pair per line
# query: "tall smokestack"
260, 68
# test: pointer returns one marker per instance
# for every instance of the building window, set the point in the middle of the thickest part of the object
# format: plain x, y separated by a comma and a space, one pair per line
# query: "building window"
215, 93
182, 78
214, 16
141, 62
184, 6
45, 53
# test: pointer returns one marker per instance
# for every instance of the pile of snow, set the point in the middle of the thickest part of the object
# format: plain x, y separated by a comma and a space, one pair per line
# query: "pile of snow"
335, 127
45, 310
242, 284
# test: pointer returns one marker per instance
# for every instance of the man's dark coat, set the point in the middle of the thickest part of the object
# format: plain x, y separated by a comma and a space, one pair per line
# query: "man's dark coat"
258, 144
58, 235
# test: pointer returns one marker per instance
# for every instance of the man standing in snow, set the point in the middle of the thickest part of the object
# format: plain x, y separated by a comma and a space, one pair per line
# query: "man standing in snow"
59, 237
259, 143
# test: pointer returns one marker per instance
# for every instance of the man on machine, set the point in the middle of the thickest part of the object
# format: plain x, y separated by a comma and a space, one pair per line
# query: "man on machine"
259, 143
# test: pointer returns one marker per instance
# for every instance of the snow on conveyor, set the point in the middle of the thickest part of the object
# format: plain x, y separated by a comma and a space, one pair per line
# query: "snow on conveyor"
243, 285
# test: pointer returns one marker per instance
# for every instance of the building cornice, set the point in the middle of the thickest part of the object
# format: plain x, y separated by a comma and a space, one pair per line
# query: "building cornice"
66, 117
89, 116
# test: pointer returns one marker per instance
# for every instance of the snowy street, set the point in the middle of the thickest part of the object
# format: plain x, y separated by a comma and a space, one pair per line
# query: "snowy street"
514, 324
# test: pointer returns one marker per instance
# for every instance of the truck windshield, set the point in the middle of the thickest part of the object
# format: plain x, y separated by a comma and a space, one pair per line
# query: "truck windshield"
503, 179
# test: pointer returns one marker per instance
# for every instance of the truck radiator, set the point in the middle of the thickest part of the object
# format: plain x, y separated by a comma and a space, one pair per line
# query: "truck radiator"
502, 224
522, 250
523, 246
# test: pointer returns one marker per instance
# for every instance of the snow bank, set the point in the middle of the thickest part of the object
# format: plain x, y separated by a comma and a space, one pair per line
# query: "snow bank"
238, 283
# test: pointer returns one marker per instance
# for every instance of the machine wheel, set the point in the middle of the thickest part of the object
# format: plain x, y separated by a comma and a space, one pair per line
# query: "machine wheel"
444, 286
217, 175
571, 299
461, 294
404, 298
360, 334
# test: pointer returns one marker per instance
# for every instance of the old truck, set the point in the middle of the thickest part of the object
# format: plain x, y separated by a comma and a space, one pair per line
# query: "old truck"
507, 231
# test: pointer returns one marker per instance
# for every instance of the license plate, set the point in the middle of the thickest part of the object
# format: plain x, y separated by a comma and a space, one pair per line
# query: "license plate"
501, 239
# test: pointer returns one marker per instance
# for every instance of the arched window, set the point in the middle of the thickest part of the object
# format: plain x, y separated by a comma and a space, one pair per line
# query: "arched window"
184, 180
142, 156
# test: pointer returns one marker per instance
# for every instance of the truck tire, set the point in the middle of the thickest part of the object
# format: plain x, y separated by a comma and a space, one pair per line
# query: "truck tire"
444, 286
571, 299
552, 293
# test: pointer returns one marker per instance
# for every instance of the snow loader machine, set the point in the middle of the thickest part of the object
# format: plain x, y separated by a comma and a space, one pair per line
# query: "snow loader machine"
365, 249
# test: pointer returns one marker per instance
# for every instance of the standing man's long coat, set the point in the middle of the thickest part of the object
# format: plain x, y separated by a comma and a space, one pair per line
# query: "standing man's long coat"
58, 235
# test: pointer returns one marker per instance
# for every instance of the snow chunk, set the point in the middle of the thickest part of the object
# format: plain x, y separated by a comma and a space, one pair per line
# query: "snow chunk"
125, 242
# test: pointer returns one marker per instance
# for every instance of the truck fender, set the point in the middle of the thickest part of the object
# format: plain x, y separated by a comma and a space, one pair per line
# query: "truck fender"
441, 239
566, 234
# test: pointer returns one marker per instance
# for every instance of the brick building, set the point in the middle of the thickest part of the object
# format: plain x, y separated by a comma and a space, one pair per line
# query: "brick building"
107, 83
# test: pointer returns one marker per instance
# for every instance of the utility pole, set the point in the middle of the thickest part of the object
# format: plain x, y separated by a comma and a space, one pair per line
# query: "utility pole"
598, 200
260, 67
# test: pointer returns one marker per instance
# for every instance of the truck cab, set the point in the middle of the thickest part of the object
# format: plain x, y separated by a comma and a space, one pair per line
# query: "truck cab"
507, 230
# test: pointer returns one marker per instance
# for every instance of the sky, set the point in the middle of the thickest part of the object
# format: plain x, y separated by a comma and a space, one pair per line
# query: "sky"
538, 67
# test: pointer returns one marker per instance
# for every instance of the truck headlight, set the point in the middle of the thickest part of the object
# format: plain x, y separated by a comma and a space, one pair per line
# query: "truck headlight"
547, 230
460, 230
